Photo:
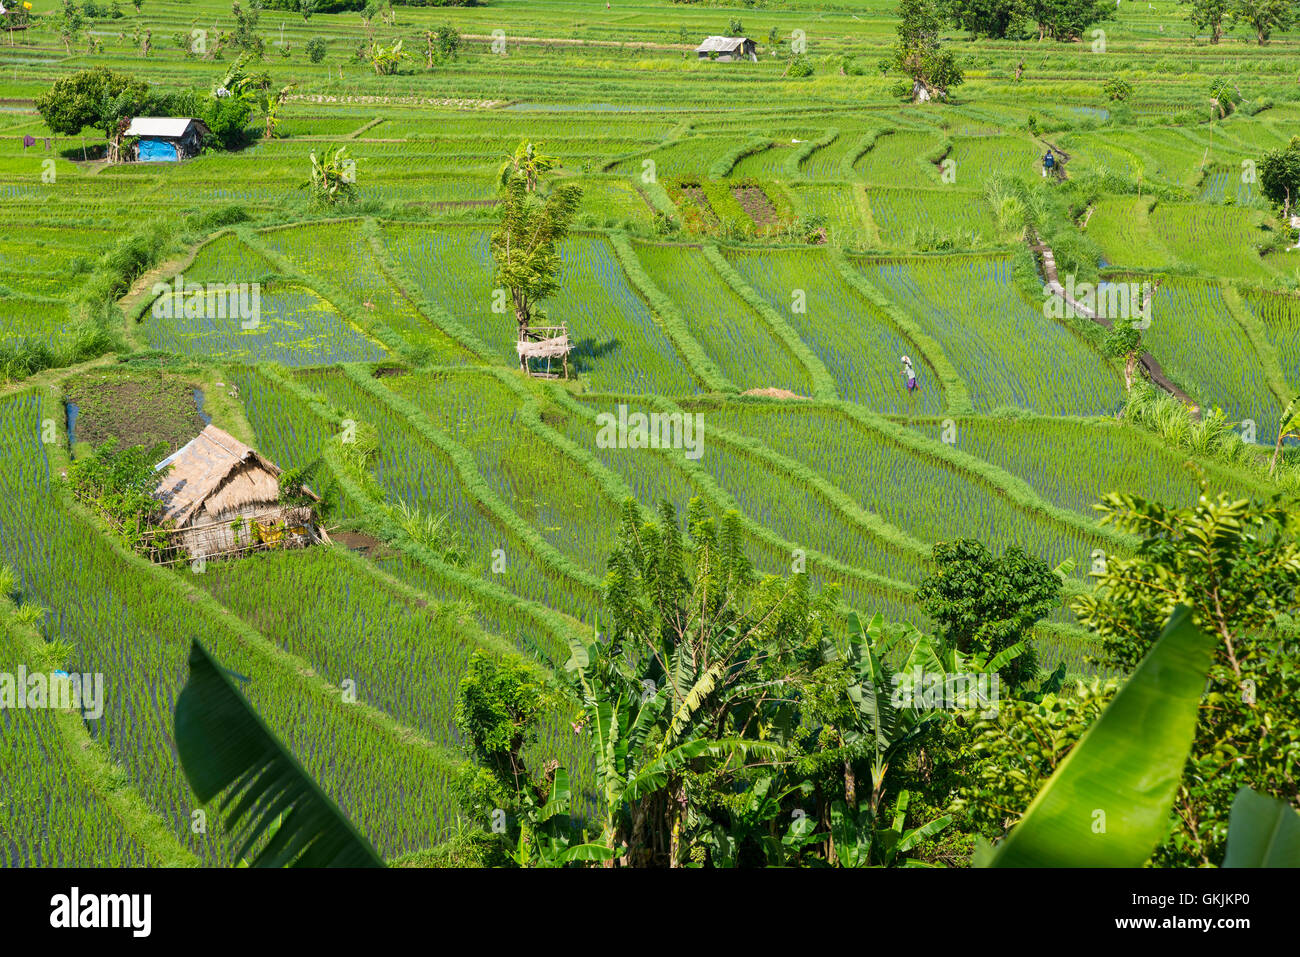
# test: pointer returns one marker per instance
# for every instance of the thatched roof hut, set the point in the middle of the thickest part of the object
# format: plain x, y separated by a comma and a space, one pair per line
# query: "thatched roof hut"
224, 497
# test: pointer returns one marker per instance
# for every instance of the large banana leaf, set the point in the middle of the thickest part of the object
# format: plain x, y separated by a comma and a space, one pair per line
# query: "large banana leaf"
224, 746
1262, 832
1108, 803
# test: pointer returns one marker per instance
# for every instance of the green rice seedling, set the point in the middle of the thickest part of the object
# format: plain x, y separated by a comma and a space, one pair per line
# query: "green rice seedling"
1073, 463
836, 204
228, 259
1279, 315
898, 160
1216, 240
1203, 347
341, 253
659, 475
618, 345
920, 218
733, 334
294, 326
1004, 347
392, 650
50, 815
919, 492
412, 468
857, 342
551, 492
1121, 226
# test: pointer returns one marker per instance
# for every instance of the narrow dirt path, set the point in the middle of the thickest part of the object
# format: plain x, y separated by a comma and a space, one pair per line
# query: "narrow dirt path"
141, 289
1146, 360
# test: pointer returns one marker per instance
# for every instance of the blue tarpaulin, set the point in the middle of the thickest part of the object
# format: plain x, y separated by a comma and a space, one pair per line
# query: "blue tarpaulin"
157, 151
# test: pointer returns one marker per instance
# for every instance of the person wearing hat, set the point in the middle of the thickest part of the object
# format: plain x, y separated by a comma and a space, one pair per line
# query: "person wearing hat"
909, 372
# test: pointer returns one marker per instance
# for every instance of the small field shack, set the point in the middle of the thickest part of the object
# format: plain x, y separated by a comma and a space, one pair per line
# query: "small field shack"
222, 497
166, 139
728, 48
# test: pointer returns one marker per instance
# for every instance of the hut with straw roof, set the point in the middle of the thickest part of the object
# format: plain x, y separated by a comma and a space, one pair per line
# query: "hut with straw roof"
221, 497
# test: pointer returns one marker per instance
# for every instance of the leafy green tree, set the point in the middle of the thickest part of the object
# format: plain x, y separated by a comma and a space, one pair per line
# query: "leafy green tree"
988, 18
1279, 176
17, 16
441, 45
1066, 20
71, 21
1236, 565
919, 53
498, 707
1019, 747
1208, 15
96, 98
1117, 89
1264, 16
245, 36
316, 49
524, 245
696, 679
986, 604
1121, 779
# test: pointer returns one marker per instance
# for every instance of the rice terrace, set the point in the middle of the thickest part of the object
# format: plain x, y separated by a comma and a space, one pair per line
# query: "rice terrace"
716, 433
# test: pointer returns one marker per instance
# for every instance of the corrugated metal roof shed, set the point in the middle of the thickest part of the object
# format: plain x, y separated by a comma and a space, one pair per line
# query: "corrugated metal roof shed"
721, 44
170, 127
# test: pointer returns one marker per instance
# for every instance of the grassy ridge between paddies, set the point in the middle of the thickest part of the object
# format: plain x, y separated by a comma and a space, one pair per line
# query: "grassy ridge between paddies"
67, 804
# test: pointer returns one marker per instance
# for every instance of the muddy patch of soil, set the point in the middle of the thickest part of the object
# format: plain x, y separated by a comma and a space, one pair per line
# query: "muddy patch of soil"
363, 543
756, 203
135, 408
771, 393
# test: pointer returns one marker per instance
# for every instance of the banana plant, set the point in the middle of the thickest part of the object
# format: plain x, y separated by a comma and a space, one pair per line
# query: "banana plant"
544, 837
1288, 428
1108, 803
386, 60
528, 162
1262, 832
636, 754
333, 177
859, 843
890, 722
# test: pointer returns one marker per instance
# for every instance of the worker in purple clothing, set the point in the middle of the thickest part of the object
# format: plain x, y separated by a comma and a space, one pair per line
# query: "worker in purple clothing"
909, 373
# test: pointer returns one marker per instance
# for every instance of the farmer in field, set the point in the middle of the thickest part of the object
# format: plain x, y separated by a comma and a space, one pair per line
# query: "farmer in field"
1049, 163
909, 373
